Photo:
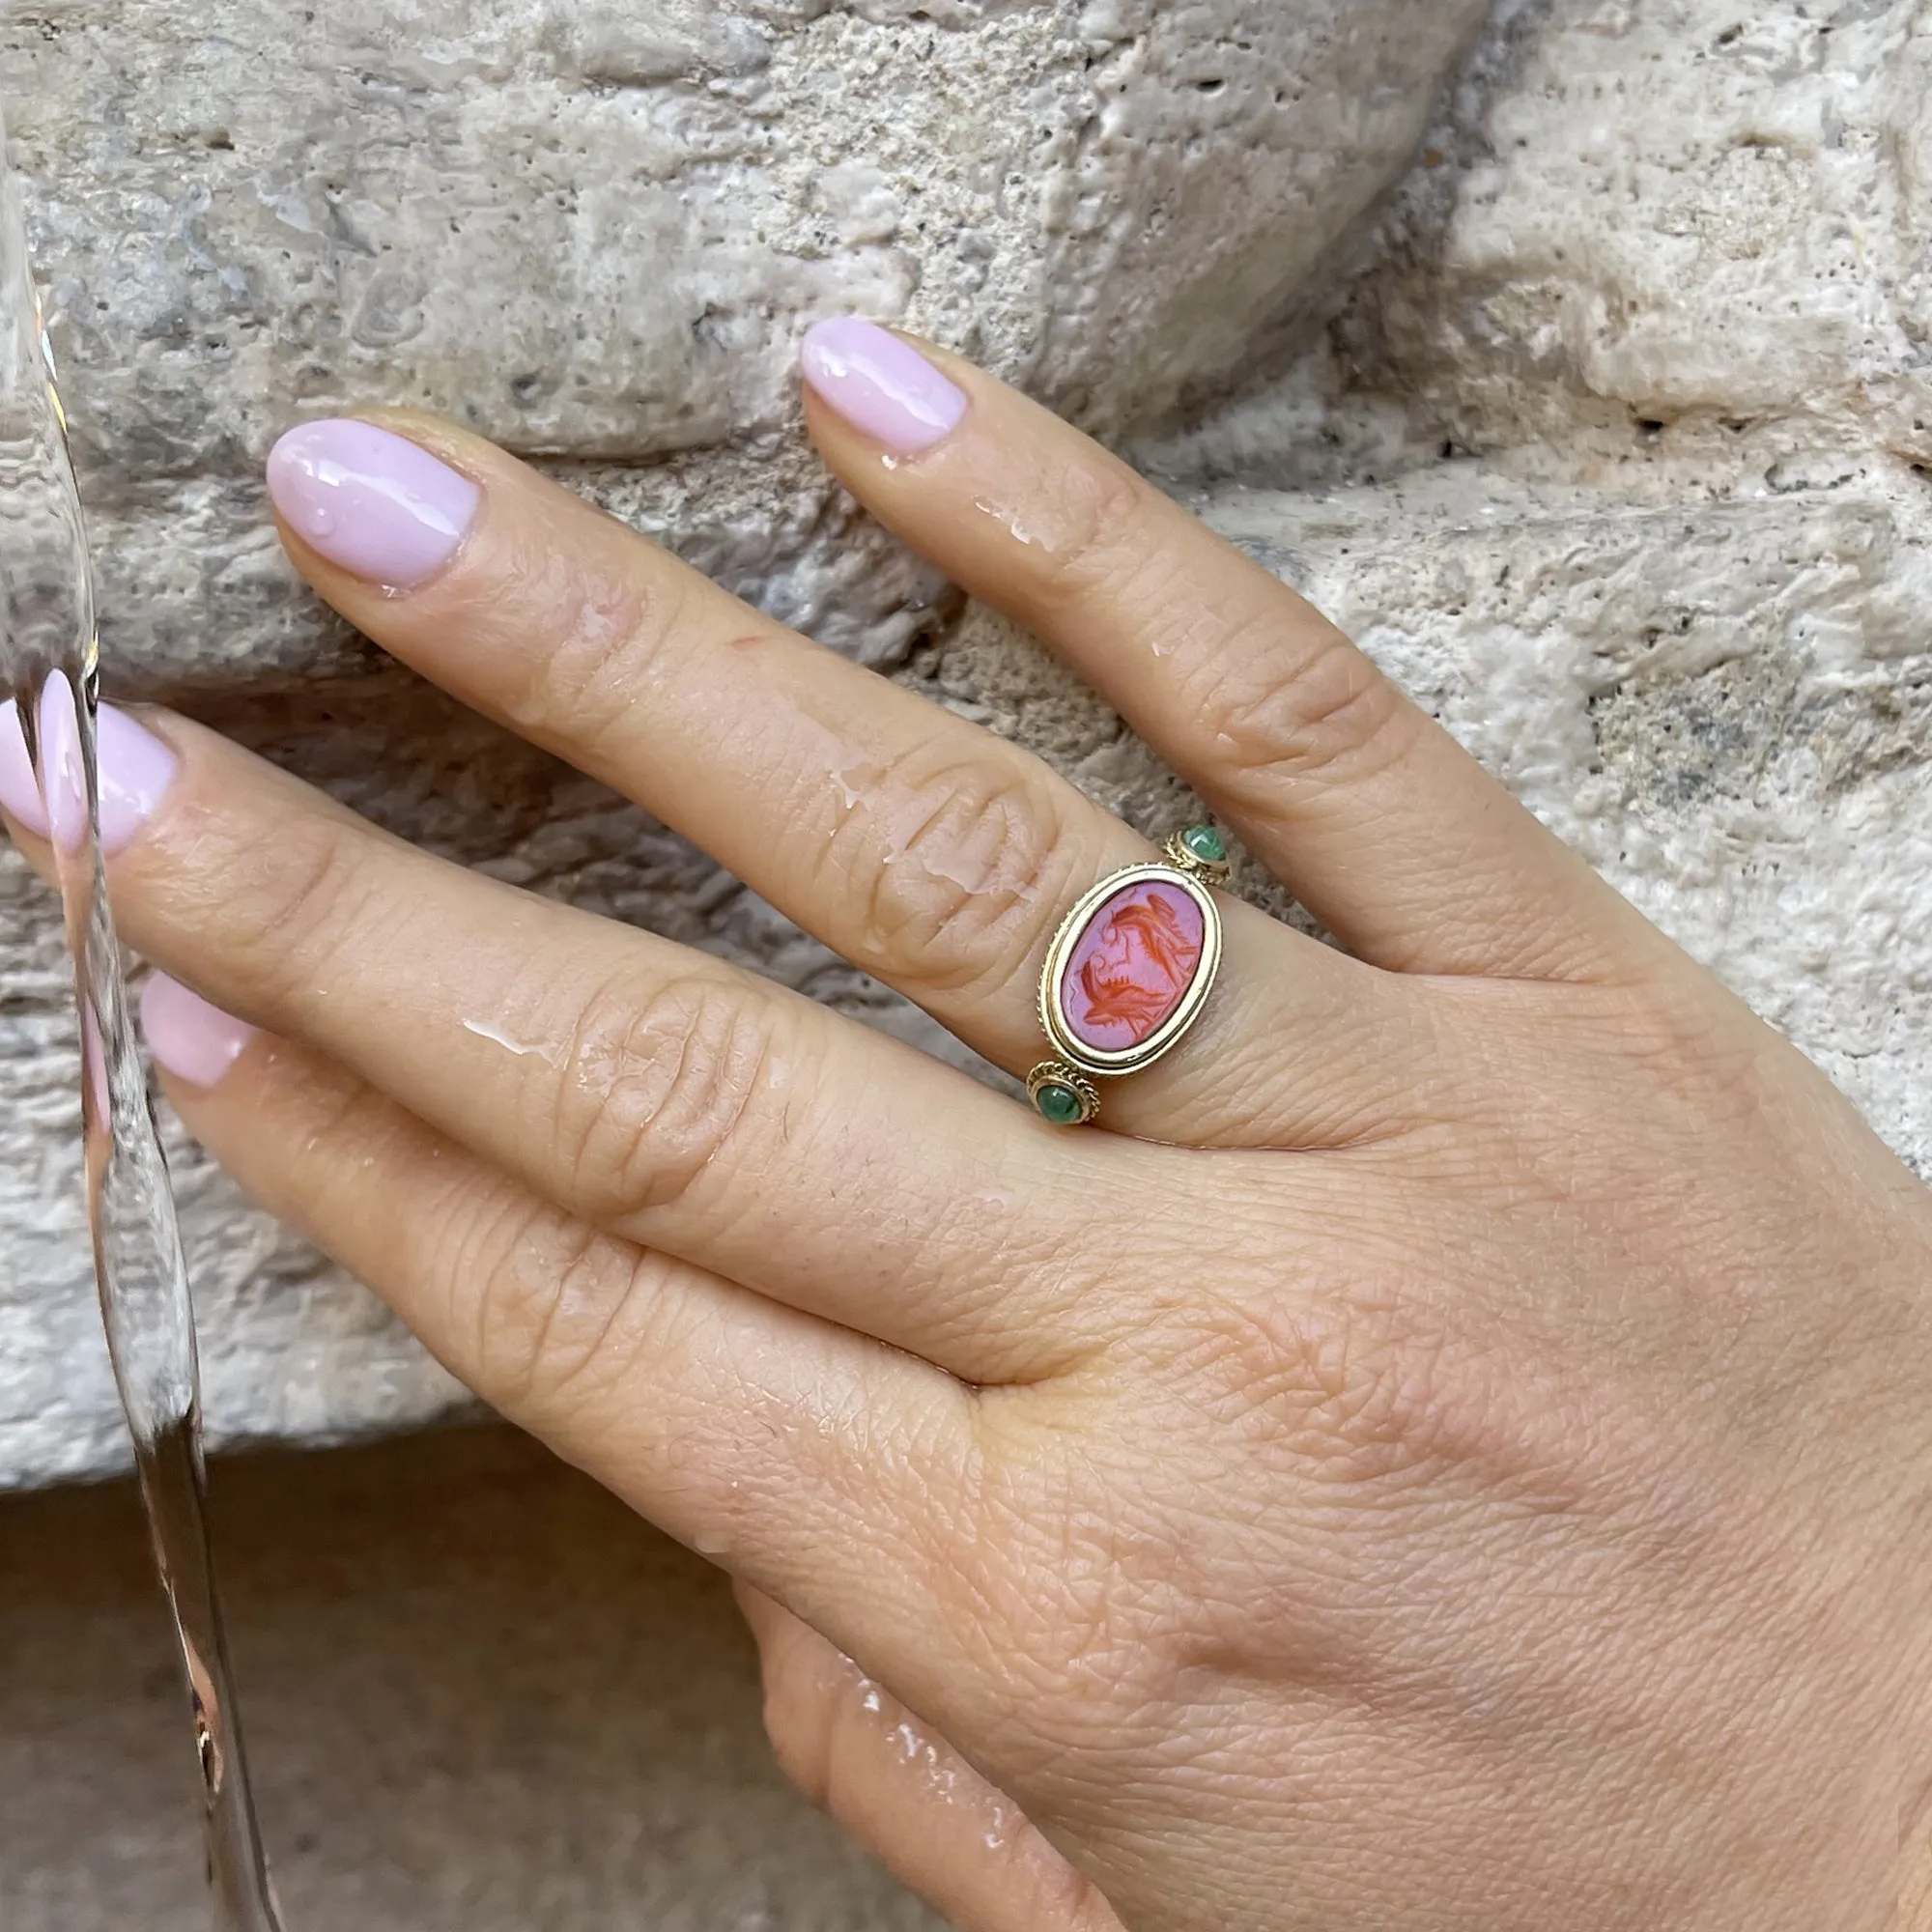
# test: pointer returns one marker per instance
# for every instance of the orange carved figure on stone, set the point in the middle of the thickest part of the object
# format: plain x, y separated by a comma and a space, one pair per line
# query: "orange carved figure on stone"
1133, 967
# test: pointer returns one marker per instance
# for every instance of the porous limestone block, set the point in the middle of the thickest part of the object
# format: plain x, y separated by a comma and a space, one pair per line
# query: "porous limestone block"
596, 232
595, 229
1711, 219
1720, 704
1674, 330
1618, 458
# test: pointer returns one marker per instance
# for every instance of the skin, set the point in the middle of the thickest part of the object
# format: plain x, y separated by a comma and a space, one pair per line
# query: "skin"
1456, 1453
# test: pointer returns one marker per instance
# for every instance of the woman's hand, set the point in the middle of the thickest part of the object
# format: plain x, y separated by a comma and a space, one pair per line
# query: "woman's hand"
1457, 1456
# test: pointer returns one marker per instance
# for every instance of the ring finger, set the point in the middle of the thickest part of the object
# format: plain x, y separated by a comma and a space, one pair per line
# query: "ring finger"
660, 1095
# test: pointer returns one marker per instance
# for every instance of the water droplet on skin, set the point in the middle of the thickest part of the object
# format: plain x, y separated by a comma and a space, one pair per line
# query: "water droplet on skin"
1008, 519
509, 1042
971, 879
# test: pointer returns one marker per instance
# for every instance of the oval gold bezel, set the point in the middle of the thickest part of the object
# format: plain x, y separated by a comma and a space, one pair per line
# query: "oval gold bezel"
1172, 1030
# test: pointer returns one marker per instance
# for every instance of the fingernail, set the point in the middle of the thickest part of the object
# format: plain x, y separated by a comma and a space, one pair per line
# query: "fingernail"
136, 769
62, 769
371, 501
192, 1039
883, 386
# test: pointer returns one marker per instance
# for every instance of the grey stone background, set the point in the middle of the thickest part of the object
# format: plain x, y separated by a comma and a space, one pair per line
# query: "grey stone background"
596, 230
1576, 355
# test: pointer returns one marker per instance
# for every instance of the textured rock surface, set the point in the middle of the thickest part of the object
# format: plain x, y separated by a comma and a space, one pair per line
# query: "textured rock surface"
596, 229
1620, 457
1615, 450
1649, 390
481, 1697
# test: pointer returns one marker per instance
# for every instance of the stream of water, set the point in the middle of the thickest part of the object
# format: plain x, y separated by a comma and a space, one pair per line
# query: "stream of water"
49, 663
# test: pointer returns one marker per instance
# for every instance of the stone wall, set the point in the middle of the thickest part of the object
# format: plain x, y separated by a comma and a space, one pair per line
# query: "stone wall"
1622, 459
595, 230
1610, 433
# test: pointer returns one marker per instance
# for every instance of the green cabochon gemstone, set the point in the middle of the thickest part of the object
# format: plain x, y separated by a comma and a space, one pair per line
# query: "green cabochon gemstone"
1206, 843
1061, 1105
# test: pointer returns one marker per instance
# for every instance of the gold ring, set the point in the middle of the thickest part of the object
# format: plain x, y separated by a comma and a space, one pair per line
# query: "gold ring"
1130, 970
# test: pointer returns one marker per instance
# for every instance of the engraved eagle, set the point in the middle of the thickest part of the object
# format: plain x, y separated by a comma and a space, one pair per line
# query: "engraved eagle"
1143, 961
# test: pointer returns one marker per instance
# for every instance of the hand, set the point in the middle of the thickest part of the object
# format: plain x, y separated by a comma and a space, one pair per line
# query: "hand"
1457, 1455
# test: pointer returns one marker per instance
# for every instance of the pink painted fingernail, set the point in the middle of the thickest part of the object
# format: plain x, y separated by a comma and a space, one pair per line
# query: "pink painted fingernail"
375, 503
194, 1041
136, 769
883, 386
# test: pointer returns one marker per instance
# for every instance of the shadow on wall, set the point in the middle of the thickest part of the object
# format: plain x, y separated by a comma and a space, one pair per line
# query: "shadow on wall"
481, 1696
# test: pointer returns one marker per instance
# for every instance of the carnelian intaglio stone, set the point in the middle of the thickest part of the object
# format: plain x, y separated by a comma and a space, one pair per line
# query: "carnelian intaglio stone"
1132, 966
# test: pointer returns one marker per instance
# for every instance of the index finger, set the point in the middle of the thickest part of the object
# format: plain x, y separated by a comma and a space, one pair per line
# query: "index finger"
1381, 823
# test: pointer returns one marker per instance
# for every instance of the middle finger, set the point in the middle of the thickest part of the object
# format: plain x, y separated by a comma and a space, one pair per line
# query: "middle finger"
928, 852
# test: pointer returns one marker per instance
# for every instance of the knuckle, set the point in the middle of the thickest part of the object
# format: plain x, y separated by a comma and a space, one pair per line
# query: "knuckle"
1101, 531
1359, 1393
957, 886
1322, 715
552, 1305
660, 1090
522, 1282
607, 624
290, 905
